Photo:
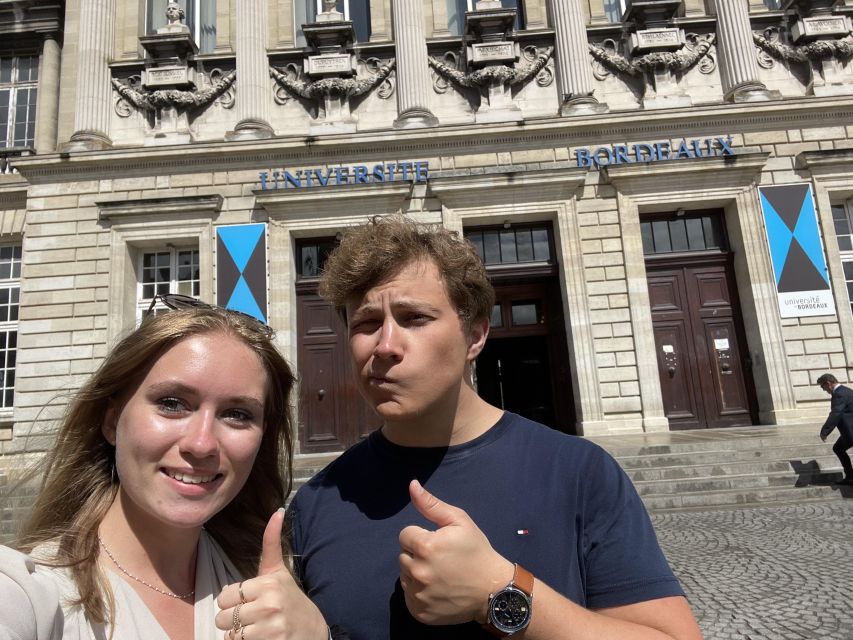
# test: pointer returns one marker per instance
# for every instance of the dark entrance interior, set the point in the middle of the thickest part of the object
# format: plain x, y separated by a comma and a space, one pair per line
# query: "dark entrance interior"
515, 374
524, 367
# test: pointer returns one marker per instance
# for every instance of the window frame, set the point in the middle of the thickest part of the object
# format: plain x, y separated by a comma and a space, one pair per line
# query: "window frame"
143, 303
15, 86
10, 327
845, 255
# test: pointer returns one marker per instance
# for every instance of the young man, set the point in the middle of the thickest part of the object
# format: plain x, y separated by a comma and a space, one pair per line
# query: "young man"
457, 520
840, 416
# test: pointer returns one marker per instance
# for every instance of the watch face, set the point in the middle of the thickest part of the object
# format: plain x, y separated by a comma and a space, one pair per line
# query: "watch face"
509, 610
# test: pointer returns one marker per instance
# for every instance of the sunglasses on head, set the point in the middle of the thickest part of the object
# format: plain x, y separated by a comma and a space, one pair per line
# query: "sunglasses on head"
177, 301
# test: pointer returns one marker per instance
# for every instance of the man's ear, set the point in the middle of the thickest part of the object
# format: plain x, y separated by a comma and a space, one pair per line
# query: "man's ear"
477, 338
108, 427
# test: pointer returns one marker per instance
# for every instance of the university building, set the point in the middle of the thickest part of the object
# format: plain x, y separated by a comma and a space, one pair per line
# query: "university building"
662, 191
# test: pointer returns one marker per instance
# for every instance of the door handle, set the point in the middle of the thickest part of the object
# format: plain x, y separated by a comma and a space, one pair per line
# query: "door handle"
320, 394
671, 371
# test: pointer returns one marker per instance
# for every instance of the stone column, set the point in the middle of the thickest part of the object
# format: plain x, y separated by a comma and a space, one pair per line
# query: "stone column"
738, 65
574, 70
413, 82
94, 98
253, 76
47, 109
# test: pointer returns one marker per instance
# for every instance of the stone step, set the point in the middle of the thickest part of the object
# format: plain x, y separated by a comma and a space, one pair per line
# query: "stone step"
744, 497
734, 481
708, 456
741, 443
739, 468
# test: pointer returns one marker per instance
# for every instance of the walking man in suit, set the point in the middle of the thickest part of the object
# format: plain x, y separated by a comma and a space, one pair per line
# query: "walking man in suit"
840, 416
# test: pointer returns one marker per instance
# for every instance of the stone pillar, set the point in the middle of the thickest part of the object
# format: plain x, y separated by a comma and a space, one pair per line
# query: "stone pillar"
574, 69
47, 109
413, 82
94, 98
253, 76
738, 65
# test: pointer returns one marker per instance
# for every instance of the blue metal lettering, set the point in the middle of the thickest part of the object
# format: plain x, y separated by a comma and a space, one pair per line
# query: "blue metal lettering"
620, 151
647, 148
276, 177
697, 151
596, 156
341, 175
323, 180
263, 175
683, 151
726, 145
296, 182
406, 166
583, 158
662, 150
360, 174
379, 173
421, 171
391, 167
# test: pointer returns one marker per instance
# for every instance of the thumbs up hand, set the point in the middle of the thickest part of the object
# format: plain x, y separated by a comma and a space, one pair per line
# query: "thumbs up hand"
271, 605
448, 574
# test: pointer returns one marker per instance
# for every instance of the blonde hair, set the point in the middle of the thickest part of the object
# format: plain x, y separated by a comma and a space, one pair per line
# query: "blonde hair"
79, 483
371, 253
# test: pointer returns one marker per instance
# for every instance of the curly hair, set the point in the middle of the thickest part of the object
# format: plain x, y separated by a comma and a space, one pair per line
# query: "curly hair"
372, 253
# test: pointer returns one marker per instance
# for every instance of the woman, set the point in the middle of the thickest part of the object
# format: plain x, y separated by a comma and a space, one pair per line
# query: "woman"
163, 492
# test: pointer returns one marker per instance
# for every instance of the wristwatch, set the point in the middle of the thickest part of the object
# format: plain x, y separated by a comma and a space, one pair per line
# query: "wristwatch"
510, 609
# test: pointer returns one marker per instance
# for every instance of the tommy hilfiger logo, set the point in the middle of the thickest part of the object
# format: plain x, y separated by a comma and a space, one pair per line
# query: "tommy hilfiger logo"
522, 532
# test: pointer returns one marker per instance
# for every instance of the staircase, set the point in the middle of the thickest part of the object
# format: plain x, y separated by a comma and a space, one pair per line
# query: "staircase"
708, 468
713, 468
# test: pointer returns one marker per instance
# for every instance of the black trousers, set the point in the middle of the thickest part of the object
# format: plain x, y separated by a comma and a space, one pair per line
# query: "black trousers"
840, 449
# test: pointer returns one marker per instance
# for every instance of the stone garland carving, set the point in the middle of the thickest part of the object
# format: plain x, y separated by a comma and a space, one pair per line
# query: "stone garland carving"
132, 93
498, 73
772, 45
695, 51
290, 79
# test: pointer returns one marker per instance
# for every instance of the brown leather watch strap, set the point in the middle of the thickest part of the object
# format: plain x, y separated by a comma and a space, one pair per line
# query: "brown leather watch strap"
522, 579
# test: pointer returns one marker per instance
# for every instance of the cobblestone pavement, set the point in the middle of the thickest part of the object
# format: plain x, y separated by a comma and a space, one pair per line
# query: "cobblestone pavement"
765, 573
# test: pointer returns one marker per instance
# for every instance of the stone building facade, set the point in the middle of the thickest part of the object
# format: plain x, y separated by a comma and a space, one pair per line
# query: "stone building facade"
614, 162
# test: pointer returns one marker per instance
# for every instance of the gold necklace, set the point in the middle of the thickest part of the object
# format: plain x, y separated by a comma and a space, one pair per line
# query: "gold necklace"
140, 580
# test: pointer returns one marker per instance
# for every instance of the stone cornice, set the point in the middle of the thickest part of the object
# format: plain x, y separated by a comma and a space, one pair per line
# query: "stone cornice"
387, 197
740, 169
549, 185
198, 206
447, 140
828, 161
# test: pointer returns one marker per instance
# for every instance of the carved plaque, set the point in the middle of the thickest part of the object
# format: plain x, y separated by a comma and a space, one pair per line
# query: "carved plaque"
816, 27
657, 39
485, 52
329, 64
166, 76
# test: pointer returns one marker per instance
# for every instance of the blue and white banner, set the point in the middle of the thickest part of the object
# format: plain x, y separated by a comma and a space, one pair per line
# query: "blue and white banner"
241, 269
799, 263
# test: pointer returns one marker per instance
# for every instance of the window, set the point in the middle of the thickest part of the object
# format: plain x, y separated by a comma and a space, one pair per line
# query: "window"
358, 11
311, 256
456, 14
10, 290
614, 10
512, 245
170, 270
773, 4
841, 218
200, 18
18, 92
682, 233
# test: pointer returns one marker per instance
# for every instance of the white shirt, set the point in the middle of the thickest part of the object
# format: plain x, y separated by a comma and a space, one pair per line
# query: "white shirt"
34, 600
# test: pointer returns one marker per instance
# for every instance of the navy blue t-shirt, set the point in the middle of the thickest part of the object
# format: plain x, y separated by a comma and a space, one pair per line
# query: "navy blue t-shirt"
558, 505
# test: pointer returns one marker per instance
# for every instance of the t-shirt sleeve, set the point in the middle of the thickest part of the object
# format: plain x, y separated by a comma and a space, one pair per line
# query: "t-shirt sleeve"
294, 534
624, 563
29, 602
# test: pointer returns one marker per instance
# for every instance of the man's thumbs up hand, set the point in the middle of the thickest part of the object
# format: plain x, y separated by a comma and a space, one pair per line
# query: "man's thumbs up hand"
271, 605
448, 574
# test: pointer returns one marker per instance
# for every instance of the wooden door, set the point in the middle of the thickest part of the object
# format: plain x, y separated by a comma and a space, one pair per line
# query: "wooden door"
332, 414
705, 380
